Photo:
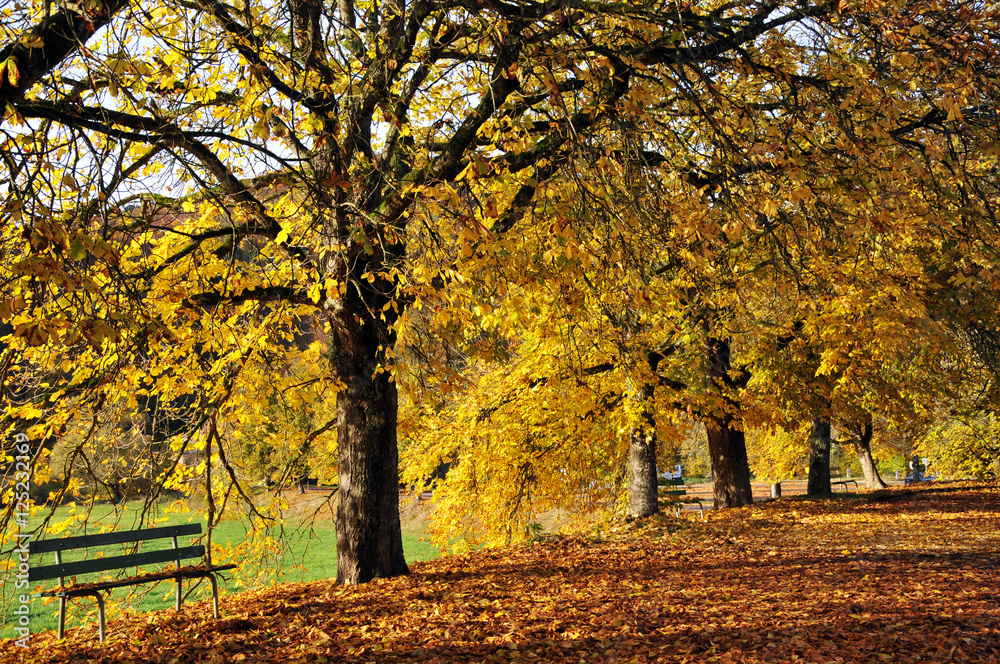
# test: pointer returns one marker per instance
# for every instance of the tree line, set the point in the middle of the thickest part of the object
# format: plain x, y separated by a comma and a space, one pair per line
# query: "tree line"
530, 238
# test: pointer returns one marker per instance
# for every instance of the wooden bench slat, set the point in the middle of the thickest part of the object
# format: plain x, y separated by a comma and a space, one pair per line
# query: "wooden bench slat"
120, 537
90, 588
114, 562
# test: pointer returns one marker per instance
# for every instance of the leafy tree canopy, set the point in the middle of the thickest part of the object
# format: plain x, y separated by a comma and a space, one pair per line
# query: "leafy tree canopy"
206, 197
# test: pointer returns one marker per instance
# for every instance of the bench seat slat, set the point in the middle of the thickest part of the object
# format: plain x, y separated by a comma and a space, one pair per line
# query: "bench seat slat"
91, 588
120, 537
114, 562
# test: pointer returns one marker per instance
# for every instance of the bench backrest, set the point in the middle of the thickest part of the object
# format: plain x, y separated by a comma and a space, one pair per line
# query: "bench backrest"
61, 569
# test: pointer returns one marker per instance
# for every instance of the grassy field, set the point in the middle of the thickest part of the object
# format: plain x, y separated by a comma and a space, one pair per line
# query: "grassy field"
305, 554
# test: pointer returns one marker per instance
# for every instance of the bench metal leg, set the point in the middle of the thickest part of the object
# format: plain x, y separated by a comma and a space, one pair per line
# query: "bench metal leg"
100, 616
62, 617
177, 595
215, 596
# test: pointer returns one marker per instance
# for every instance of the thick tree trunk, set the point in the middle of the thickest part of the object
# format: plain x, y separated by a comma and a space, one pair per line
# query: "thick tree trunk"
642, 489
369, 541
862, 445
819, 458
730, 466
726, 442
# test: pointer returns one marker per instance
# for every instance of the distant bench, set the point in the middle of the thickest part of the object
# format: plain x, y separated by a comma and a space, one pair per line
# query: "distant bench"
800, 486
677, 497
60, 570
844, 483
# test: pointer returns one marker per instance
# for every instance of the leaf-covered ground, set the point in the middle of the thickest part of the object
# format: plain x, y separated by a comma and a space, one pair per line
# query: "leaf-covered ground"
904, 576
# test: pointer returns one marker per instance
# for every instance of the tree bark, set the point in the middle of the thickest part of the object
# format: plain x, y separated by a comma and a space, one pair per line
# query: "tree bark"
862, 445
730, 466
642, 488
819, 458
369, 540
726, 442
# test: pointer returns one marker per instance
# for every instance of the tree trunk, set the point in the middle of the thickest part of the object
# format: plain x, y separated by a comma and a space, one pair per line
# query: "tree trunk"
726, 442
642, 488
862, 445
819, 458
369, 541
730, 466
117, 497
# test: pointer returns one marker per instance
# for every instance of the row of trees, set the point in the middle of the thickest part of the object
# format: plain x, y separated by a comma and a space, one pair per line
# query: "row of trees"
560, 227
818, 251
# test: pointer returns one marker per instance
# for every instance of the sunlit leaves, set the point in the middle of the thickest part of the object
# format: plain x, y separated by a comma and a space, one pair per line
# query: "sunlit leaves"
552, 189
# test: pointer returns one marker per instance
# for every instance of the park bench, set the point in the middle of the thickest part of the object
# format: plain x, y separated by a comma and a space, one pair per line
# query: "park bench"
844, 483
676, 497
62, 570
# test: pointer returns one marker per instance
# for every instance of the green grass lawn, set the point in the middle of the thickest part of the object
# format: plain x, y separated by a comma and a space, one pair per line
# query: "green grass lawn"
306, 554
